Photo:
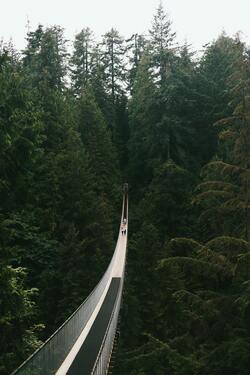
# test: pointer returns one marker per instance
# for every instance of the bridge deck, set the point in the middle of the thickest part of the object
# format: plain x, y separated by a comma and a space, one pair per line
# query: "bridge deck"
86, 357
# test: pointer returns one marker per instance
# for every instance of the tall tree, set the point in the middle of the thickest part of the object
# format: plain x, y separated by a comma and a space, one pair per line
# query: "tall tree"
97, 139
45, 65
113, 52
81, 60
143, 114
213, 91
135, 46
45, 57
161, 43
20, 142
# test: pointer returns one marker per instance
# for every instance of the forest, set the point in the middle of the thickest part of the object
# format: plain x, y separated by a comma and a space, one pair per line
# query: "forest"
75, 124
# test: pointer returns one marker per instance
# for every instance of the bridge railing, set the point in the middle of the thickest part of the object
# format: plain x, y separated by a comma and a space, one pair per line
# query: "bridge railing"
49, 357
102, 362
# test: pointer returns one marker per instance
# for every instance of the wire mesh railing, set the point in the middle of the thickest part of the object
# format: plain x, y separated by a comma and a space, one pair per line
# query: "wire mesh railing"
48, 358
102, 361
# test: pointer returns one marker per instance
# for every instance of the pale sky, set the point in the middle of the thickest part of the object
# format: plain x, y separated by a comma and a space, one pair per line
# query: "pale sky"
197, 21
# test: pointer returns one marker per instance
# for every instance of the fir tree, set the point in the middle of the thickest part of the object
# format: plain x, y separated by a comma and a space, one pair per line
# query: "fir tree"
161, 44
113, 51
81, 60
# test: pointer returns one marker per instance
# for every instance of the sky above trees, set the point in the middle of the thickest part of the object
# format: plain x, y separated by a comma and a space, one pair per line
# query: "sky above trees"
196, 21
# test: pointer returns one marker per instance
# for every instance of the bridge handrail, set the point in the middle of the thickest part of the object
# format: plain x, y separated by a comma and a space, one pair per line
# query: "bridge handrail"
48, 358
102, 361
103, 357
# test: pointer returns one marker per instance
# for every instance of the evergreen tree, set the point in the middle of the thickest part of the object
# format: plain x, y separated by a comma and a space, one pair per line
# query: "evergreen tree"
81, 60
97, 139
113, 51
19, 332
213, 91
21, 135
45, 58
143, 114
226, 189
136, 47
20, 141
46, 70
161, 44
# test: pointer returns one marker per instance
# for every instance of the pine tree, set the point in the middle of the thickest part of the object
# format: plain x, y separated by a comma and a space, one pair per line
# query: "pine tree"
213, 92
81, 60
19, 332
226, 189
113, 51
20, 142
96, 137
143, 114
83, 224
161, 44
46, 70
136, 47
45, 57
21, 134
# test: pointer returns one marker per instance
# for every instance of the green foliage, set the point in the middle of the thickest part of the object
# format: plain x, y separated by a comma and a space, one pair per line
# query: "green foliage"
143, 114
162, 39
195, 300
167, 121
18, 321
97, 139
168, 194
55, 224
45, 57
159, 358
113, 62
182, 247
81, 60
229, 246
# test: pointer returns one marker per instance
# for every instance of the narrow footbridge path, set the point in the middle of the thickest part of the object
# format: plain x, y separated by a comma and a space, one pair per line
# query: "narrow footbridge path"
83, 345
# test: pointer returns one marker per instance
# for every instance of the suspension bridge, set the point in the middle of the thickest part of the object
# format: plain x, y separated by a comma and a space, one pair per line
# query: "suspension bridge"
84, 344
